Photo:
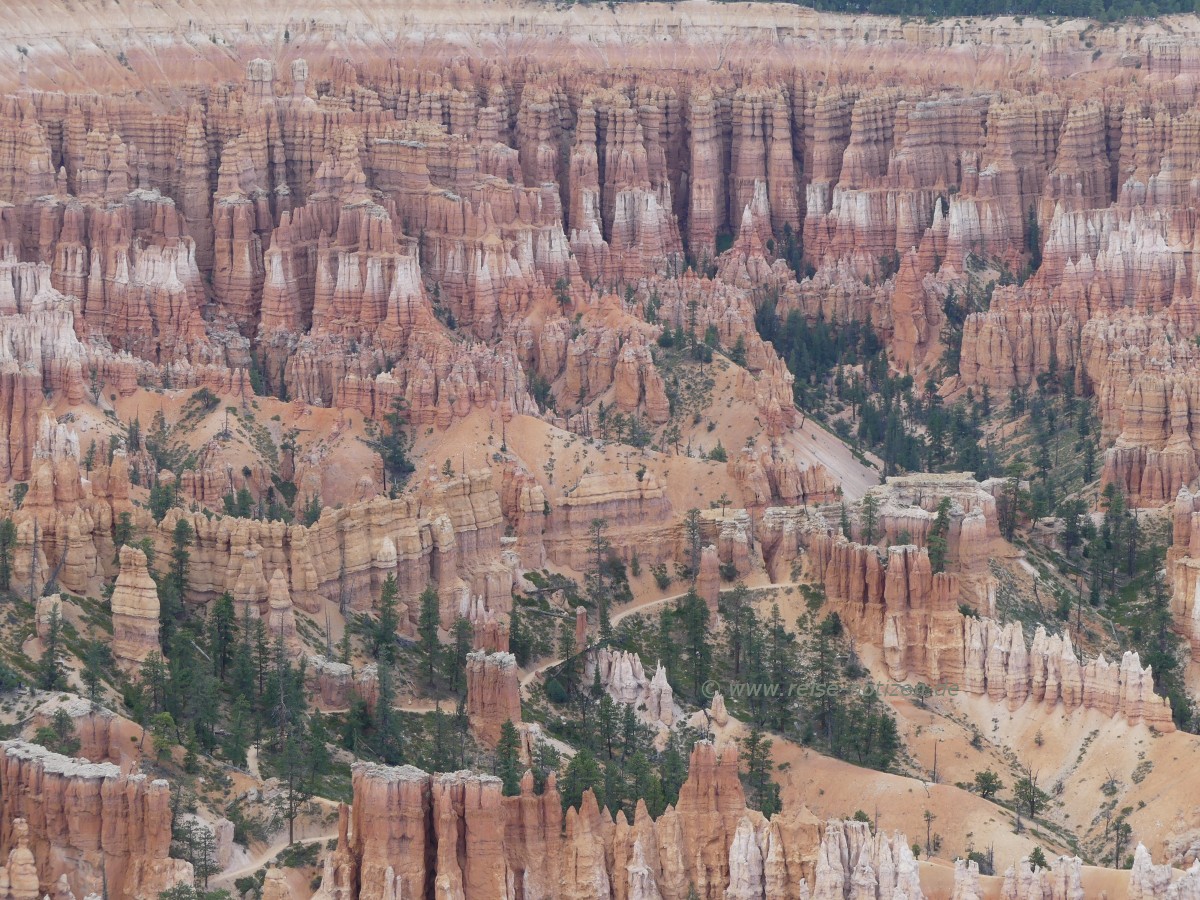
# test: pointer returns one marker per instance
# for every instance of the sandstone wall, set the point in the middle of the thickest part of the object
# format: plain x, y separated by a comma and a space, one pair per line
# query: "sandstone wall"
413, 832
102, 829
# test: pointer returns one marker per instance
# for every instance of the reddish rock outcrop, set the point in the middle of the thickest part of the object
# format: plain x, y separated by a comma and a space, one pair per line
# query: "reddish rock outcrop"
413, 831
493, 693
897, 603
101, 829
134, 611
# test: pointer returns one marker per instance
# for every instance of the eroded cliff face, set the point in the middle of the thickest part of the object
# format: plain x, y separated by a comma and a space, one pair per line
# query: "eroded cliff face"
103, 830
361, 221
410, 833
893, 600
455, 834
461, 238
321, 219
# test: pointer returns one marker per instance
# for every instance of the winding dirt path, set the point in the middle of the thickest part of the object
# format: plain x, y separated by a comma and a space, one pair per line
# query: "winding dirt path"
264, 857
638, 606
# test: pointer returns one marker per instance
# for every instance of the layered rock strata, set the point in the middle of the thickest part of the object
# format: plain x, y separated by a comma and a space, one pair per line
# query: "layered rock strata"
413, 833
493, 693
103, 830
135, 611
896, 602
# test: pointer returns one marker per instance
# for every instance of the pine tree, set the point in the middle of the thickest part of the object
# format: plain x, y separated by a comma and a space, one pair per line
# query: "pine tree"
455, 659
153, 678
694, 613
383, 635
222, 634
616, 791
646, 784
427, 631
242, 680
605, 623
171, 588
673, 767
608, 718
389, 742
780, 666
518, 641
8, 543
546, 760
49, 668
290, 765
762, 790
262, 652
237, 734
598, 549
869, 515
583, 773
204, 707
96, 659
938, 536
317, 760
631, 732
441, 751
692, 541
508, 759
733, 606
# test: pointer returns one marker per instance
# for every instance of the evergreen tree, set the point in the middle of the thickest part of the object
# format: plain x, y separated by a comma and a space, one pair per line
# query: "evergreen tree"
763, 792
290, 764
383, 631
152, 675
456, 655
243, 680
693, 612
673, 765
389, 742
203, 707
869, 515
1028, 795
546, 760
733, 606
222, 634
171, 587
646, 784
518, 640
237, 734
427, 631
96, 659
441, 749
938, 536
318, 762
8, 543
988, 784
631, 731
1011, 499
692, 539
393, 444
781, 669
583, 773
598, 550
608, 718
59, 736
50, 674
508, 759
